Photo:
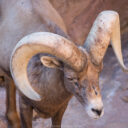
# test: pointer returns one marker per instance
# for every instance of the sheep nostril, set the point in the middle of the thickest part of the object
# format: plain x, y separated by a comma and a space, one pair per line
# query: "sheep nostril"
98, 112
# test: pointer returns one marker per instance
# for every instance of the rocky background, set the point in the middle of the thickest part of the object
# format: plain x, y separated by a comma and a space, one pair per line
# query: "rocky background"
79, 16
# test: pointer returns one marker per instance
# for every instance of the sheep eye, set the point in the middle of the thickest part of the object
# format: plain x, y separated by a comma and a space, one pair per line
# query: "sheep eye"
96, 93
72, 79
95, 90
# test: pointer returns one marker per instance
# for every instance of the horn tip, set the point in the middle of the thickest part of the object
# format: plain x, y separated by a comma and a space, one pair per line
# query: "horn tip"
125, 69
36, 98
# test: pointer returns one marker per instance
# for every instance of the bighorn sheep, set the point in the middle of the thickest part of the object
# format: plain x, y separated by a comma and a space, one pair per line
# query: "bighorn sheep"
17, 19
22, 17
60, 69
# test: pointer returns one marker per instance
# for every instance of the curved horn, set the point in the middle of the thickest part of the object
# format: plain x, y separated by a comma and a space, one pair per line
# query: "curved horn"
106, 28
42, 42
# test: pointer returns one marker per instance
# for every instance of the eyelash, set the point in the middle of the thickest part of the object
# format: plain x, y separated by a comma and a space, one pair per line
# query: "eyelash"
76, 83
72, 78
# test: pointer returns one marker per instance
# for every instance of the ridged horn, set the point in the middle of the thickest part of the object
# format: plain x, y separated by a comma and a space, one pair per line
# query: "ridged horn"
105, 29
42, 42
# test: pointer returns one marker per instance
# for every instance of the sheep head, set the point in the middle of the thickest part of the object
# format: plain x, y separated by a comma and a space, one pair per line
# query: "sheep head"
81, 65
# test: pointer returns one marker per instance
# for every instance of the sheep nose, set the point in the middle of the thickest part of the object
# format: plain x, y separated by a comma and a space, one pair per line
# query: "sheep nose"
98, 112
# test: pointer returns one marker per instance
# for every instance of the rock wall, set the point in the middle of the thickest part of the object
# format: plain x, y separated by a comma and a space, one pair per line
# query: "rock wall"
79, 15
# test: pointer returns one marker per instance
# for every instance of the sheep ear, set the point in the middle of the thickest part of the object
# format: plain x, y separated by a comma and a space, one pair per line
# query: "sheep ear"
51, 62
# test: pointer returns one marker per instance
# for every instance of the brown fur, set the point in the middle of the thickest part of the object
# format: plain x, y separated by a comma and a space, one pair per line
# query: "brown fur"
57, 91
